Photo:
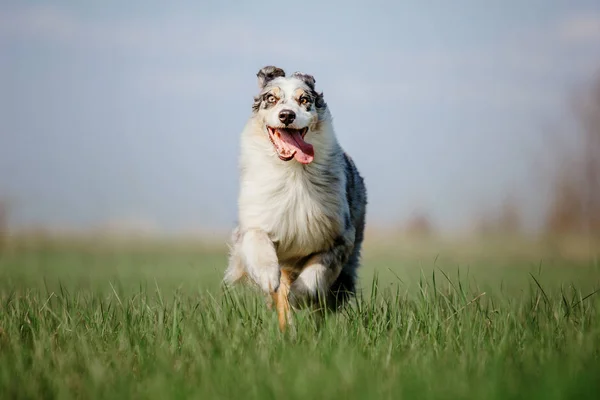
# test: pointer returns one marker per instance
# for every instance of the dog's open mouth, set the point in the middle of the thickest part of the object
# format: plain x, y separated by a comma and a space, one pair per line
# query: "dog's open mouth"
289, 143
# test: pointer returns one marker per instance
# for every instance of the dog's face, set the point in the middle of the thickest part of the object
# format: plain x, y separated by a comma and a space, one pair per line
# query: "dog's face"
289, 108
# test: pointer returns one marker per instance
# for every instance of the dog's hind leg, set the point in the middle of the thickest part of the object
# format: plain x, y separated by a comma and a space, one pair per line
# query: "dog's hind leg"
313, 282
321, 271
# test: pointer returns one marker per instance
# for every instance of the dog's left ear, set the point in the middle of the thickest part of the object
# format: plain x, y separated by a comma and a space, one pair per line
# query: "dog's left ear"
308, 79
267, 74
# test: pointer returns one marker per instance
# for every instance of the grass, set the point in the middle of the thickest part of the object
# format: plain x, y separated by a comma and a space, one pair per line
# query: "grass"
97, 323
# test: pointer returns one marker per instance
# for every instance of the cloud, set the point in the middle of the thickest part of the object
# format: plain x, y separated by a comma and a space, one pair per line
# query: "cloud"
39, 22
176, 34
184, 82
185, 45
581, 28
182, 49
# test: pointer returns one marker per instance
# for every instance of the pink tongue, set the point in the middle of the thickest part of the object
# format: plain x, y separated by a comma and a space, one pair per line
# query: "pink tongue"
291, 140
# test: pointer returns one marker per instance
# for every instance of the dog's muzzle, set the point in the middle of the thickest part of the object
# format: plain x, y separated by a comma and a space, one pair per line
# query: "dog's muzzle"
289, 143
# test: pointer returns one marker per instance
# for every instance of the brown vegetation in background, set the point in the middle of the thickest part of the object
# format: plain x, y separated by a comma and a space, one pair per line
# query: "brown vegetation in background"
419, 225
508, 220
575, 206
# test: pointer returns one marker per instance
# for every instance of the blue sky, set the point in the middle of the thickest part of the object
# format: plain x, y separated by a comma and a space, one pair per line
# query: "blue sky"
131, 111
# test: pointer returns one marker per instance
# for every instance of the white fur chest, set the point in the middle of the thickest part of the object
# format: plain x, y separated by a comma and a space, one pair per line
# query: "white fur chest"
300, 209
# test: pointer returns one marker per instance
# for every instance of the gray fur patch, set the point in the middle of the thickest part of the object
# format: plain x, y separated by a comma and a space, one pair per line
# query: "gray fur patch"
356, 194
257, 102
319, 100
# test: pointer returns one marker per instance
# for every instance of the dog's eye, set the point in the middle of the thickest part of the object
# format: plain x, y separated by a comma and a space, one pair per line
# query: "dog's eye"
271, 99
303, 100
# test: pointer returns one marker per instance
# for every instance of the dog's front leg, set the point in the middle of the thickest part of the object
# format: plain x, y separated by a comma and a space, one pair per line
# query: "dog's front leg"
258, 254
253, 254
321, 271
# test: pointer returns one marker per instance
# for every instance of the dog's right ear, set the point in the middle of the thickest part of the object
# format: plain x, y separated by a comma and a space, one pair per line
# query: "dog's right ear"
267, 74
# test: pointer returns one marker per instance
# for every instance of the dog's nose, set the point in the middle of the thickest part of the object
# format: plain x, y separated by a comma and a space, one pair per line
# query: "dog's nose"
287, 116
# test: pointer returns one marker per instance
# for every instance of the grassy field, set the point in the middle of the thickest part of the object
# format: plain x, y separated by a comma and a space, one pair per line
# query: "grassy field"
117, 322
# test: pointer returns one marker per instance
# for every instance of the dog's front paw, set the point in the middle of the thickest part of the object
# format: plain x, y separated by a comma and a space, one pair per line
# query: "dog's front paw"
267, 278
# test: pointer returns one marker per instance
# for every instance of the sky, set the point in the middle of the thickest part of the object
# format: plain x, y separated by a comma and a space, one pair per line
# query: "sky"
130, 112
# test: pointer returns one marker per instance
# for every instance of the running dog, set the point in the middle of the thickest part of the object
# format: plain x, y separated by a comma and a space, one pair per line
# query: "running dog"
302, 201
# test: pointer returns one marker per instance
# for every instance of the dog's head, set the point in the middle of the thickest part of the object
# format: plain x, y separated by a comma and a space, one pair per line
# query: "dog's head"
289, 108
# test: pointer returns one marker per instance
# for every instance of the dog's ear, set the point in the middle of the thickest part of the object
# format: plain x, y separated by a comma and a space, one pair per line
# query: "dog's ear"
267, 74
308, 79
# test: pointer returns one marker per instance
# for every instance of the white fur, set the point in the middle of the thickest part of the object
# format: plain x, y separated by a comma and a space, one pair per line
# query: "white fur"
277, 197
280, 198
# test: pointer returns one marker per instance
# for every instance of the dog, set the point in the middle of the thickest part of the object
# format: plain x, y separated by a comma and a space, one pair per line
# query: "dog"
302, 202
